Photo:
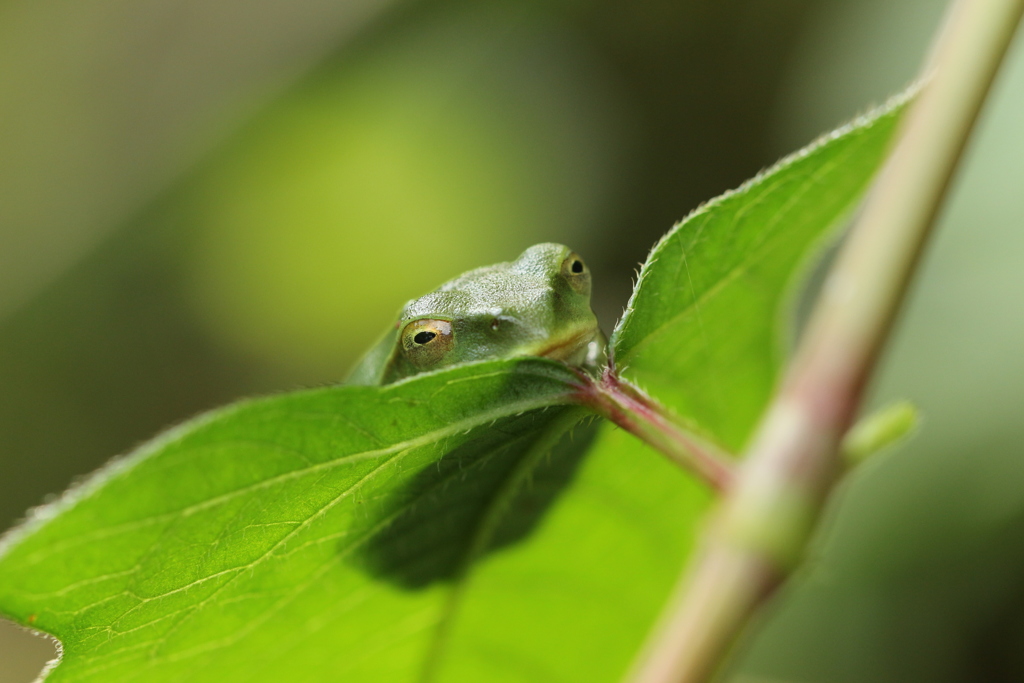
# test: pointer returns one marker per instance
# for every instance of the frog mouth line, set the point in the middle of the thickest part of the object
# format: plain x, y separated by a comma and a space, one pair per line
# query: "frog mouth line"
564, 348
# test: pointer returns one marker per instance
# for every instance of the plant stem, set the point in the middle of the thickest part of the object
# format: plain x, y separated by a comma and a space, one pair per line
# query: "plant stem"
764, 523
630, 408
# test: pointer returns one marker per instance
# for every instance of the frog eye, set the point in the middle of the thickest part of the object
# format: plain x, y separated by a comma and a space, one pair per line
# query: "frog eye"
426, 342
575, 271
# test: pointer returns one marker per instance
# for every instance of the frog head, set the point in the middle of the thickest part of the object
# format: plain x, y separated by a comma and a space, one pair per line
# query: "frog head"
536, 305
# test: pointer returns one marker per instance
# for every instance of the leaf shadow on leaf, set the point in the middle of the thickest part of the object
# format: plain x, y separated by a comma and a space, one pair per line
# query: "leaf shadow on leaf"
484, 495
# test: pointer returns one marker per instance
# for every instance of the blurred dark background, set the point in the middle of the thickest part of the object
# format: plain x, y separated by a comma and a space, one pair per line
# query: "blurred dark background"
205, 200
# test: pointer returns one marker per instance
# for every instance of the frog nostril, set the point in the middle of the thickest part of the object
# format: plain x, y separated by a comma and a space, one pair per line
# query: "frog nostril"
495, 324
424, 337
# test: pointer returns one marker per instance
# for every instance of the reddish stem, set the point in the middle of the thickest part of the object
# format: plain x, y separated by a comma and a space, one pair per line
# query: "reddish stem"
629, 407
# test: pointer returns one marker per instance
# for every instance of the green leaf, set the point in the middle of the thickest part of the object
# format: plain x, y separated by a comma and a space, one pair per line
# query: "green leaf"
701, 332
317, 522
451, 527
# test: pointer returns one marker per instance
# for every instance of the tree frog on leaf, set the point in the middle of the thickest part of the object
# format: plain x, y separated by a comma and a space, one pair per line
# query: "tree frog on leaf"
537, 305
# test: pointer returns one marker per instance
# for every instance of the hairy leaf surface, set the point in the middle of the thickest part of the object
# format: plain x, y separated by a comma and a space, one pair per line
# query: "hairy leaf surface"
301, 532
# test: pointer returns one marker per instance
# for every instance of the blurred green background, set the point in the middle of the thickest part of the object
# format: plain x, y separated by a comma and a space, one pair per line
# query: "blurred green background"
202, 201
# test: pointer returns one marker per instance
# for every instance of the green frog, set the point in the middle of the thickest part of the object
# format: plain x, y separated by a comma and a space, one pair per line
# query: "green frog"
537, 305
